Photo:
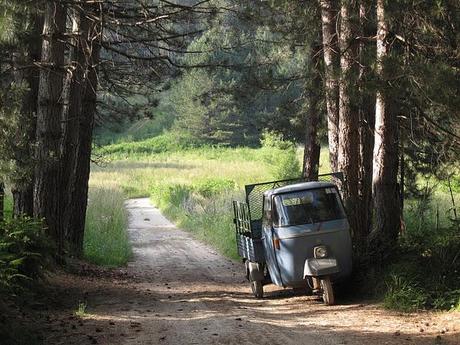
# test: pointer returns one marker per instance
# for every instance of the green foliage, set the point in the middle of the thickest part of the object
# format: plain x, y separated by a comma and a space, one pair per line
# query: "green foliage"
15, 21
425, 272
11, 140
253, 81
106, 240
170, 194
427, 88
280, 155
81, 309
25, 252
403, 295
213, 186
167, 142
125, 130
272, 139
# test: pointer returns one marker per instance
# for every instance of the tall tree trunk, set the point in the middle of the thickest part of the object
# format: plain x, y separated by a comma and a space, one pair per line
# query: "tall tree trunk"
312, 147
86, 124
366, 132
22, 187
328, 15
384, 181
47, 172
72, 115
2, 201
348, 160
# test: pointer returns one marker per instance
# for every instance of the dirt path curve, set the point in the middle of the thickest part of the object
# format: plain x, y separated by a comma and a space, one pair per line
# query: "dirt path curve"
182, 292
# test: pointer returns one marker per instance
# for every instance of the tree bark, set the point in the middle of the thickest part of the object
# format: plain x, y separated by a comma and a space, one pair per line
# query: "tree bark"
366, 131
22, 186
328, 14
71, 118
348, 159
47, 172
384, 181
86, 124
312, 146
2, 201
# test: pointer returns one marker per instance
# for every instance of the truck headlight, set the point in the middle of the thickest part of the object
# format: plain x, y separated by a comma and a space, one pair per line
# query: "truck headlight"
320, 252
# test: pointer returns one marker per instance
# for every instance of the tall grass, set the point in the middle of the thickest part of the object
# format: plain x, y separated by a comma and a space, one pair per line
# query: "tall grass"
203, 208
106, 240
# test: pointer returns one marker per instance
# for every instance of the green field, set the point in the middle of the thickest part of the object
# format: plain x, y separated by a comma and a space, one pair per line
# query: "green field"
194, 187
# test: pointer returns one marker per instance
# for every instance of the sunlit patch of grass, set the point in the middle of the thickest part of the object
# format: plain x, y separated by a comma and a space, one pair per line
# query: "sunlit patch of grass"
81, 309
106, 240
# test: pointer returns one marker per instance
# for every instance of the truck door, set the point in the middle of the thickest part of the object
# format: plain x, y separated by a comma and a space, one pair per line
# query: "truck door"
267, 239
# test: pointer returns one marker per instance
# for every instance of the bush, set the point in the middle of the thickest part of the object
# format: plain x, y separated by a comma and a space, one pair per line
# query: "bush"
170, 194
280, 156
425, 271
212, 186
25, 252
404, 295
275, 140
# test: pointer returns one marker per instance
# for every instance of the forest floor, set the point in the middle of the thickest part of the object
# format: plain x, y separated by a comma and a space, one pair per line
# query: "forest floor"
177, 290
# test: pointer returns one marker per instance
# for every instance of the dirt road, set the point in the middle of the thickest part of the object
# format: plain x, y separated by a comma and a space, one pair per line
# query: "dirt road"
179, 291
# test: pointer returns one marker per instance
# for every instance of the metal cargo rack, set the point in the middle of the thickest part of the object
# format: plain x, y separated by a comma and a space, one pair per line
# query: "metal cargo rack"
249, 247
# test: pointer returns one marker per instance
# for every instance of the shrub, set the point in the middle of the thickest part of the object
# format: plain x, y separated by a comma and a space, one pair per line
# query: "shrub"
404, 295
271, 139
170, 194
280, 156
25, 252
212, 186
425, 270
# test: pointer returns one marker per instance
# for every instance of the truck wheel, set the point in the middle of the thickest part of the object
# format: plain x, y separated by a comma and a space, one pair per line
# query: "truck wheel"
257, 289
328, 292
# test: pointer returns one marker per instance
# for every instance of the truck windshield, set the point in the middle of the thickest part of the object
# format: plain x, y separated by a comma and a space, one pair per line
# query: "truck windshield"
307, 207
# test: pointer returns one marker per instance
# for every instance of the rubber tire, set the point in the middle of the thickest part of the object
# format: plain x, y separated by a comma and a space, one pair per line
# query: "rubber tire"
257, 289
328, 291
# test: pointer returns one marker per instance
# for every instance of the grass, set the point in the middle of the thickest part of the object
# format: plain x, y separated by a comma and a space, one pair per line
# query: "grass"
81, 309
158, 175
106, 241
193, 187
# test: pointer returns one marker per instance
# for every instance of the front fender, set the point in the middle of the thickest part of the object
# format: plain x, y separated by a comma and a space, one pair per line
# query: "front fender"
320, 267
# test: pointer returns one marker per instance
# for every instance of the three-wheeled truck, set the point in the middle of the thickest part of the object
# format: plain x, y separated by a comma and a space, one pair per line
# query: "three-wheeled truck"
294, 233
